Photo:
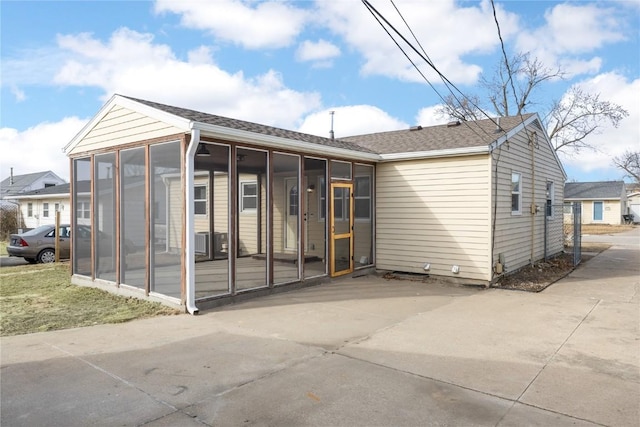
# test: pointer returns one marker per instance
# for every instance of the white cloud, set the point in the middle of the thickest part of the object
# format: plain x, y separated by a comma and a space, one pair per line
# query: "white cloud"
611, 141
350, 120
429, 116
129, 63
253, 25
320, 53
565, 42
447, 30
38, 148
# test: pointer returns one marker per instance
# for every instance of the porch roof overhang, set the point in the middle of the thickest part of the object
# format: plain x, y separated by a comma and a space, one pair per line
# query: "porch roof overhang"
278, 143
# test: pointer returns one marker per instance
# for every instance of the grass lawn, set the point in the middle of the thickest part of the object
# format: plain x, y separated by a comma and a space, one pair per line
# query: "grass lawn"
3, 248
38, 298
605, 228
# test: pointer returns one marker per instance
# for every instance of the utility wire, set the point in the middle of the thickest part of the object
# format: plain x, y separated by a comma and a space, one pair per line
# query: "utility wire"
378, 16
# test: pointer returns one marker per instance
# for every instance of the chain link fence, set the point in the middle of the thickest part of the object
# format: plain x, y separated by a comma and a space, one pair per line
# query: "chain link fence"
571, 229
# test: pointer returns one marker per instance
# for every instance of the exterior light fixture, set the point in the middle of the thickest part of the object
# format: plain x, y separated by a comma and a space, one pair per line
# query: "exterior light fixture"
202, 150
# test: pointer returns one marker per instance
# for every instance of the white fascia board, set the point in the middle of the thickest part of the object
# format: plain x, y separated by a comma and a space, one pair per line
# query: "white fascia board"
453, 152
146, 110
270, 141
593, 199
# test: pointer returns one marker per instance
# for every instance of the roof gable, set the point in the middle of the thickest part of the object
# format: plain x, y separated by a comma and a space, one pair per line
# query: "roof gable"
20, 183
594, 190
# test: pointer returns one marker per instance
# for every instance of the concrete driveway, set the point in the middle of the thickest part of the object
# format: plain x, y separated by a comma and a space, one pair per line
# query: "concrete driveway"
356, 352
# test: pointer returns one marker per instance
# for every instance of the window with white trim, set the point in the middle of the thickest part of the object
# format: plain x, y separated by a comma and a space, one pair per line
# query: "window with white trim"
248, 196
83, 210
45, 210
30, 210
550, 198
322, 198
362, 196
516, 193
200, 199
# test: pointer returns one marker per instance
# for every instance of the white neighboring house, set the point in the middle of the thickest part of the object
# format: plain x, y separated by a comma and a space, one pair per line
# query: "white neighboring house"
603, 202
16, 185
633, 201
39, 207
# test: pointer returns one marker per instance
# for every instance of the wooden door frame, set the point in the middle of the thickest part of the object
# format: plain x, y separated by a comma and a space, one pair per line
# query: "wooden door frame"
333, 237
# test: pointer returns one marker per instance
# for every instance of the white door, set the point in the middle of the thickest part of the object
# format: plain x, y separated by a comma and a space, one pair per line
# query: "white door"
292, 209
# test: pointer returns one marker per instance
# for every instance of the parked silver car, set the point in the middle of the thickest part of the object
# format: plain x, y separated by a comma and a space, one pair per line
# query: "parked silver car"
38, 245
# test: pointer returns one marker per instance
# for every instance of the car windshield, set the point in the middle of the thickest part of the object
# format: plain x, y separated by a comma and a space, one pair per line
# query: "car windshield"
37, 230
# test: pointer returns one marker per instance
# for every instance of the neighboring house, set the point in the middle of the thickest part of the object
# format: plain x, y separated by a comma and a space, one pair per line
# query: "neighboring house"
39, 207
633, 201
232, 208
603, 202
19, 184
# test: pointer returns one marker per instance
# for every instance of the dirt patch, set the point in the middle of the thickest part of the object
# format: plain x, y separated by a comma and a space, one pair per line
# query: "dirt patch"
605, 228
539, 276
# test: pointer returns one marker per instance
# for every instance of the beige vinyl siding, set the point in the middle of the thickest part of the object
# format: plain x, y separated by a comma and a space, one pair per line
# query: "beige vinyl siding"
122, 126
434, 211
520, 238
174, 220
315, 224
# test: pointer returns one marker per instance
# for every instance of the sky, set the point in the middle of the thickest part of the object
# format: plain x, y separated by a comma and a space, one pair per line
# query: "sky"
290, 63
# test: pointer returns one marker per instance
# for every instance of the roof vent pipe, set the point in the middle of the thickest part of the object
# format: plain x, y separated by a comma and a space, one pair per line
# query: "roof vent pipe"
331, 131
413, 128
498, 128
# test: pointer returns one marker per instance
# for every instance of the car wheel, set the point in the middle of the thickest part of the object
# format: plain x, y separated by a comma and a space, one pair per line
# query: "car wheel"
47, 256
31, 260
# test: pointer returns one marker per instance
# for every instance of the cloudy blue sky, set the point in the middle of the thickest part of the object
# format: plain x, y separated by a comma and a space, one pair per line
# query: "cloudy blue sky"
288, 63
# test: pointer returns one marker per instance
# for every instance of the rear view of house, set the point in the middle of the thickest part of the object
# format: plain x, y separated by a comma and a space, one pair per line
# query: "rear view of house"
196, 210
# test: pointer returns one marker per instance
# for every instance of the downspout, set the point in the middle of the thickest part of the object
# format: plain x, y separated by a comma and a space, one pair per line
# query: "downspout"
190, 229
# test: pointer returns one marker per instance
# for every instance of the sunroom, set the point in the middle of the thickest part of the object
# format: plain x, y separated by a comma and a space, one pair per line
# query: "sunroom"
197, 210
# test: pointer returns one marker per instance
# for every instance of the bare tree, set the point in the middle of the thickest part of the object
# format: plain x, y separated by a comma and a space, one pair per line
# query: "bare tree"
629, 162
512, 90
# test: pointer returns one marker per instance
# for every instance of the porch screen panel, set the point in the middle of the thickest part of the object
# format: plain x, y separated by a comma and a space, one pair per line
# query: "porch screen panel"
81, 226
251, 247
286, 217
363, 215
165, 211
211, 221
132, 217
314, 218
105, 216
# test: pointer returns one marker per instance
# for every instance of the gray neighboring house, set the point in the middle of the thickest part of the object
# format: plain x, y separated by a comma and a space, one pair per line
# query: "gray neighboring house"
14, 186
603, 202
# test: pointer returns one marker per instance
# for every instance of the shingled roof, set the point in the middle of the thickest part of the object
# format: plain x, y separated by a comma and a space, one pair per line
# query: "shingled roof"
454, 135
200, 117
604, 190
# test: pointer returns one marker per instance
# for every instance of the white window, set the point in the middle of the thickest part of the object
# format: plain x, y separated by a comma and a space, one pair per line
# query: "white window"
248, 196
362, 196
293, 201
322, 199
200, 199
516, 195
30, 210
56, 207
83, 210
45, 210
550, 199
